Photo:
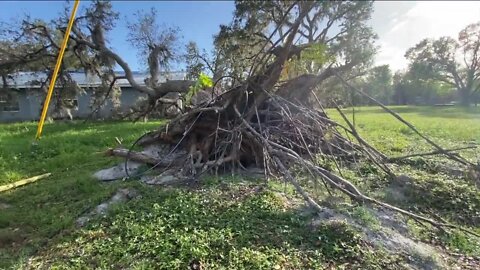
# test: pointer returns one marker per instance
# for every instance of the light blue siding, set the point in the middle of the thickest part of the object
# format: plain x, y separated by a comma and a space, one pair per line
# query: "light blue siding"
30, 101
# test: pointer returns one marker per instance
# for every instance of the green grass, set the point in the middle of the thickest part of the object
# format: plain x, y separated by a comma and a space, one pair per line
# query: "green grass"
449, 126
42, 209
63, 147
225, 223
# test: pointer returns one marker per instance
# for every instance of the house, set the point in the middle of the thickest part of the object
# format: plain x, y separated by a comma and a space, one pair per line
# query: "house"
23, 99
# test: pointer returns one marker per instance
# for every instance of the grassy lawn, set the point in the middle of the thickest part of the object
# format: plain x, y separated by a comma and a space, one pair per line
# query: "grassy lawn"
39, 211
225, 223
448, 126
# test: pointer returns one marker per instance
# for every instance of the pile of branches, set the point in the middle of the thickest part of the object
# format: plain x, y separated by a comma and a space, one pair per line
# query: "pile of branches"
252, 126
263, 123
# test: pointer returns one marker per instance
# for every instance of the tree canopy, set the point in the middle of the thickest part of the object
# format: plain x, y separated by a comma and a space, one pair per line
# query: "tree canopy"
451, 61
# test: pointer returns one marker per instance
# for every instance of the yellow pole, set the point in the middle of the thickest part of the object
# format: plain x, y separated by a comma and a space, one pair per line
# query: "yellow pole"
55, 71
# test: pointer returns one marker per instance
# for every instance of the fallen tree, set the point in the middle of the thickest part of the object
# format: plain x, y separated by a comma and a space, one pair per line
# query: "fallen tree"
270, 118
260, 123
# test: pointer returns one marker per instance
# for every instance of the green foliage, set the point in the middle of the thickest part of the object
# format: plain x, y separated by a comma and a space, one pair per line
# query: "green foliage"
411, 88
316, 52
203, 81
460, 242
168, 229
378, 84
454, 62
339, 240
224, 226
311, 59
362, 214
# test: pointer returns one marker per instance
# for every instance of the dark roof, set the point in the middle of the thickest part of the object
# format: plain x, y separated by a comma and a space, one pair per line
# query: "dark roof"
22, 80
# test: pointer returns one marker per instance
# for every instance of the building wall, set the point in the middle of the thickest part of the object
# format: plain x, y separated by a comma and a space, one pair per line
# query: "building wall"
128, 98
30, 101
23, 114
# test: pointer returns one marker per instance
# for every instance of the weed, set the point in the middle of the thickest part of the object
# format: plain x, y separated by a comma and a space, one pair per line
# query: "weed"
367, 218
460, 242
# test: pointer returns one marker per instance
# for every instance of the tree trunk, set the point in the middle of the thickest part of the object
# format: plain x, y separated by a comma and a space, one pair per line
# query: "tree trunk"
465, 97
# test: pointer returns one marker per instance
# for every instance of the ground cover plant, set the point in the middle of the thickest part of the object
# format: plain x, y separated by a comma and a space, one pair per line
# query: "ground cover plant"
222, 222
255, 103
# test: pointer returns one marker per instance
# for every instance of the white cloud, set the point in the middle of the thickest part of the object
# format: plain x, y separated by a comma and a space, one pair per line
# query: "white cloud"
399, 31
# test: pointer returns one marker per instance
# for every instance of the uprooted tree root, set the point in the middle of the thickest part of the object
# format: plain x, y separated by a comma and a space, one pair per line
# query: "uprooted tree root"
232, 132
263, 123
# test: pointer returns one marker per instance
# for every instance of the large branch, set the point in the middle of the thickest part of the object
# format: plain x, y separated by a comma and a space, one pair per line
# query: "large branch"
436, 152
205, 60
24, 59
128, 72
266, 81
180, 86
124, 65
332, 19
139, 157
44, 31
300, 87
112, 83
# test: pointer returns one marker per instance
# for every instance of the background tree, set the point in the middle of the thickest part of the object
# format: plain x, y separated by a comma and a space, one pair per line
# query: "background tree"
378, 84
450, 61
37, 44
199, 61
196, 61
89, 50
156, 44
411, 88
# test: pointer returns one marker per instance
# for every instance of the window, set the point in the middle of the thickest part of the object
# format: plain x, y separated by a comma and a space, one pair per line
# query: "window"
11, 107
9, 103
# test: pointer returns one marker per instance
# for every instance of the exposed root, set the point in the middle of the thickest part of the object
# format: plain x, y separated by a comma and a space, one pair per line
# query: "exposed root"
253, 125
278, 137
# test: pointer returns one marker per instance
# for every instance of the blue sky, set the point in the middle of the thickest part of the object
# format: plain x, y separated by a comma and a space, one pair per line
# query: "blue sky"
399, 24
198, 20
